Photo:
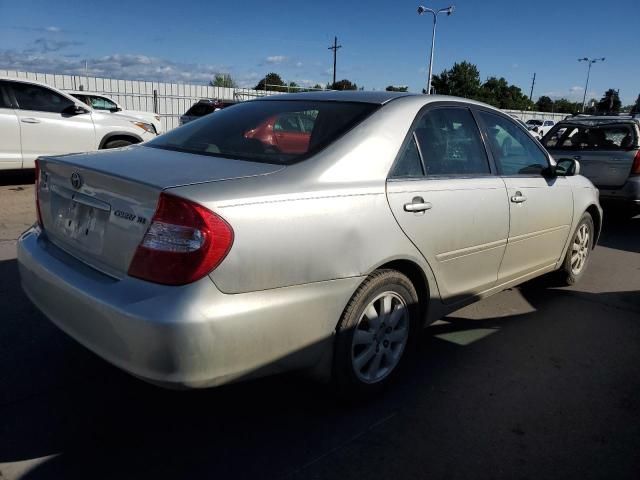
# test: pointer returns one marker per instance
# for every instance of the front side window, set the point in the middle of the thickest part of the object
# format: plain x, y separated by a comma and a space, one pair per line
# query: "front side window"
4, 99
514, 150
287, 123
35, 97
450, 143
243, 131
575, 137
101, 103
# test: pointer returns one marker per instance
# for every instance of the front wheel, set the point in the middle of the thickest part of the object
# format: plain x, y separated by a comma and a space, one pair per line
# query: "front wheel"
375, 333
579, 252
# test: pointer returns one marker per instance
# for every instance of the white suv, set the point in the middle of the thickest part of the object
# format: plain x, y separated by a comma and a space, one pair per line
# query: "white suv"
36, 120
105, 104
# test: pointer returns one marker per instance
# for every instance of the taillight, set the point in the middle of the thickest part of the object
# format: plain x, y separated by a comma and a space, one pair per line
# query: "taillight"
635, 168
184, 242
37, 188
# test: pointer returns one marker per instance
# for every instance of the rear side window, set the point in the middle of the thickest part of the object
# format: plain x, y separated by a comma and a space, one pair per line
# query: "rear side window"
35, 97
590, 137
450, 143
409, 163
246, 131
513, 149
200, 110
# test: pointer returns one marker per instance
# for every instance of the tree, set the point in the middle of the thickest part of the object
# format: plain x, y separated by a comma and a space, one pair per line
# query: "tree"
317, 86
610, 102
636, 108
545, 104
223, 80
565, 106
463, 80
344, 84
271, 81
499, 93
393, 88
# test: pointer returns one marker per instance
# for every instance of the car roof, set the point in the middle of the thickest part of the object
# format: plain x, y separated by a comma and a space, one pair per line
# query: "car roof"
341, 96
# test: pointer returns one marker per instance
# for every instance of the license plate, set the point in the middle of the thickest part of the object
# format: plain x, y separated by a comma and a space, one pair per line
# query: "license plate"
80, 225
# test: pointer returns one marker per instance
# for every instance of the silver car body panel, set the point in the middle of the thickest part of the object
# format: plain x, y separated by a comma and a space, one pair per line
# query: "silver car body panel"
306, 236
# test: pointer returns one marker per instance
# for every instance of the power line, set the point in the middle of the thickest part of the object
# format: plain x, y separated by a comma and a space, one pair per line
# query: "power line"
335, 48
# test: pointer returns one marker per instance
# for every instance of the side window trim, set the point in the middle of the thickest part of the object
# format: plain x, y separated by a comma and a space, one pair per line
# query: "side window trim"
485, 132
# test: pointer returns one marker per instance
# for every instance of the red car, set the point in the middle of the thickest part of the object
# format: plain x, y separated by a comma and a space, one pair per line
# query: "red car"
286, 133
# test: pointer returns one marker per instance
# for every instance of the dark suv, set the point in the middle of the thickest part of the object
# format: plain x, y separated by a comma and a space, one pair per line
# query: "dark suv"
204, 107
608, 149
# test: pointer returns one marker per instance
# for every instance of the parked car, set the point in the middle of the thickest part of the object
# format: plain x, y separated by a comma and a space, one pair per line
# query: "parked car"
539, 128
204, 107
287, 133
206, 256
103, 103
36, 119
609, 150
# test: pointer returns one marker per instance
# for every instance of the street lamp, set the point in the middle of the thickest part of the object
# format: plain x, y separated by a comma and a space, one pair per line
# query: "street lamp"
422, 10
590, 61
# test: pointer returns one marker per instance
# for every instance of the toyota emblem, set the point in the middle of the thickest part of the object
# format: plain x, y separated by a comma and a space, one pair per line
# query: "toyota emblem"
76, 180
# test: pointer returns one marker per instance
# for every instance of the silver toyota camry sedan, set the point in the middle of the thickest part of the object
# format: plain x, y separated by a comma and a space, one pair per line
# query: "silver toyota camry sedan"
314, 232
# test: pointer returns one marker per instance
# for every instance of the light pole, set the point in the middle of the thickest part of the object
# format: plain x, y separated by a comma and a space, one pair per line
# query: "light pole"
421, 11
590, 61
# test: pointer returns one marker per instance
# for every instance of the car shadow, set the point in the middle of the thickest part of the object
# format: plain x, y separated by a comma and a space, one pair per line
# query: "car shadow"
621, 233
523, 385
17, 177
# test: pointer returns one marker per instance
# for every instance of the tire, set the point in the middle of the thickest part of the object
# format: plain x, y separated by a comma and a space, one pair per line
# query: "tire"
370, 351
116, 144
579, 251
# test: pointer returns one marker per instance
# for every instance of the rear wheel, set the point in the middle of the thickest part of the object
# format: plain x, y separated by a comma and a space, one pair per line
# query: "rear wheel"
578, 254
375, 333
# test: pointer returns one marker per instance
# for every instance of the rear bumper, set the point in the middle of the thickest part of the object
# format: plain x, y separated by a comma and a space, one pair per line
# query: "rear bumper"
190, 336
627, 196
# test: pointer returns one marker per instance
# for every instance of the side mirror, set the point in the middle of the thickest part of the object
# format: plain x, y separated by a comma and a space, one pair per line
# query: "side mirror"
74, 110
115, 109
567, 167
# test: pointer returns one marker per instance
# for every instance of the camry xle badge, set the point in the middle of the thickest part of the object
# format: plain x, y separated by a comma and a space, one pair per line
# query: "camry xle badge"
76, 180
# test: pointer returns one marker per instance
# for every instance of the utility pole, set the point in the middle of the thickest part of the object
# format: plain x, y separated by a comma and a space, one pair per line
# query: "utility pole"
335, 48
532, 85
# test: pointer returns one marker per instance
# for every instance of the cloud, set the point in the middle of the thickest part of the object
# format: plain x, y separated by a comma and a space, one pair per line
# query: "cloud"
576, 89
53, 29
276, 59
45, 45
121, 66
299, 64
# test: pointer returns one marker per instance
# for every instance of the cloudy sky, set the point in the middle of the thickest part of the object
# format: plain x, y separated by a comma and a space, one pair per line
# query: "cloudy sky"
384, 42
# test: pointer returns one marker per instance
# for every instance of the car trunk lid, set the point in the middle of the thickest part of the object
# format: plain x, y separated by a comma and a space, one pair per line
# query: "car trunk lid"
97, 207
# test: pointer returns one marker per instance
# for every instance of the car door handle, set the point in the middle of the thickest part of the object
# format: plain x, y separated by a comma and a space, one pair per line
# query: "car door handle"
29, 120
518, 198
417, 205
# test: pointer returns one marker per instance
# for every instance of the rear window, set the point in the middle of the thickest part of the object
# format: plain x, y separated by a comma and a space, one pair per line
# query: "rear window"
200, 110
590, 137
270, 131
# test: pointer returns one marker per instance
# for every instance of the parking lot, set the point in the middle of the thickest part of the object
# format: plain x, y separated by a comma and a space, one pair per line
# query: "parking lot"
535, 382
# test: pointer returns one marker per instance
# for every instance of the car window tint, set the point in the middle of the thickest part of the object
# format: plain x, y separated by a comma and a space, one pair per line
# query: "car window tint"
4, 99
450, 143
199, 110
245, 131
513, 149
590, 137
287, 123
35, 97
101, 103
409, 163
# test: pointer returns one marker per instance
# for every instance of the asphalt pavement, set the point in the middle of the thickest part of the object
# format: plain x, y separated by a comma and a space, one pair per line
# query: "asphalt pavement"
537, 382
